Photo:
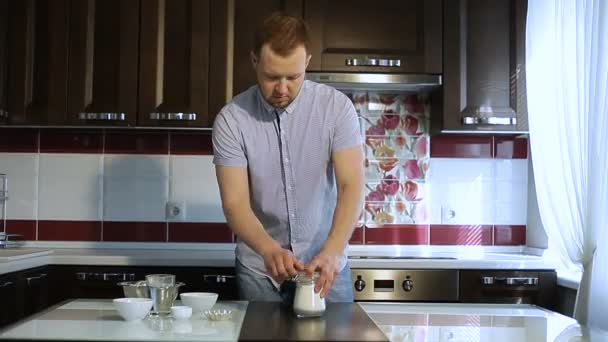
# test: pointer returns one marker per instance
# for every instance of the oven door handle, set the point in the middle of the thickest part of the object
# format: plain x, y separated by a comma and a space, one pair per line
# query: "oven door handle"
512, 281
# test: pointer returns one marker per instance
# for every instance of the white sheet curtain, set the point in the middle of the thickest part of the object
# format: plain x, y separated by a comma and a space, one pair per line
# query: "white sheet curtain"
567, 91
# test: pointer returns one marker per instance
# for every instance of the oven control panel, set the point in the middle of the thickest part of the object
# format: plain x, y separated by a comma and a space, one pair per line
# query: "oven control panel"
405, 285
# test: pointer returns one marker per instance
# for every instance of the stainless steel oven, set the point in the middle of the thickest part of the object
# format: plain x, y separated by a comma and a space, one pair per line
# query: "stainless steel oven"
405, 285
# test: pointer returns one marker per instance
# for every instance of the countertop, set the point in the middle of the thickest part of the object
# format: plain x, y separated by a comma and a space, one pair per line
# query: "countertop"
222, 255
96, 320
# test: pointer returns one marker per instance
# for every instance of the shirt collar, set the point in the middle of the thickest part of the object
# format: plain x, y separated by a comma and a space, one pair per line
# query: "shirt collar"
289, 109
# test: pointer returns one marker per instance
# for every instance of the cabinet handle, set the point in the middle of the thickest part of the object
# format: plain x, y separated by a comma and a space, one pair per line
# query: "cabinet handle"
491, 120
217, 277
379, 62
173, 116
6, 284
105, 276
513, 281
30, 279
103, 116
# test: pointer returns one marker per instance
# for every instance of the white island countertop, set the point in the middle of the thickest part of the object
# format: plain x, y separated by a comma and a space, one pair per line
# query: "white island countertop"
96, 320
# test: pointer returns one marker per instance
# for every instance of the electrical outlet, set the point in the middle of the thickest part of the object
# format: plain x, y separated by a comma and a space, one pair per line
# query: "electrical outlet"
448, 215
176, 210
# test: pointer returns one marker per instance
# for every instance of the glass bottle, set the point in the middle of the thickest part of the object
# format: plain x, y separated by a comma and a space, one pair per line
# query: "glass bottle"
307, 303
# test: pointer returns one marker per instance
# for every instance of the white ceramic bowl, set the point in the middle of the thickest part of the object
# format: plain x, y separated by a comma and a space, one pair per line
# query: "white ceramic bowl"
132, 309
181, 312
199, 301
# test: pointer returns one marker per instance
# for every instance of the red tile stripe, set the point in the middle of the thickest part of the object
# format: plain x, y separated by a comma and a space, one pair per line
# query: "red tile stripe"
199, 232
18, 140
130, 142
479, 146
69, 230
214, 232
135, 231
406, 234
509, 235
115, 141
461, 235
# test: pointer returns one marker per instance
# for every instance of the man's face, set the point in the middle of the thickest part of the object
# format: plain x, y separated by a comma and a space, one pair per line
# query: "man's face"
280, 78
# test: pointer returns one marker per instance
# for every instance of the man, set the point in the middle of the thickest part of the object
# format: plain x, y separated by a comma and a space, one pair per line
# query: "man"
289, 163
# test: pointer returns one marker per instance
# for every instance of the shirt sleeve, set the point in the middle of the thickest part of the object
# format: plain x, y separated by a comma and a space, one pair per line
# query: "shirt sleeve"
228, 146
347, 131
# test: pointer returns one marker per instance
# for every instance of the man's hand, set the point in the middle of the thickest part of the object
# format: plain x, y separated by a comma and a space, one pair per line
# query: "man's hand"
327, 264
281, 263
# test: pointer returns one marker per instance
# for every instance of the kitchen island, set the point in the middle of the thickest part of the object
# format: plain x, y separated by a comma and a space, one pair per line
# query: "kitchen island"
96, 320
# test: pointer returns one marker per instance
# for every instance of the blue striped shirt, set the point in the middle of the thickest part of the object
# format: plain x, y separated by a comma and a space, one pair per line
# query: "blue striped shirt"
288, 156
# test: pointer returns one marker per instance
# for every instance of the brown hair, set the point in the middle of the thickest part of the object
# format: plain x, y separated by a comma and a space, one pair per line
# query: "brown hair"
282, 33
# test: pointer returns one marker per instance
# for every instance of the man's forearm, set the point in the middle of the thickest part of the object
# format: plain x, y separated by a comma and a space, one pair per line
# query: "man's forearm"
345, 218
248, 227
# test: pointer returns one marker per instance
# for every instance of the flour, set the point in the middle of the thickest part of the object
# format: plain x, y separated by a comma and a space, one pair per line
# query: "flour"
307, 303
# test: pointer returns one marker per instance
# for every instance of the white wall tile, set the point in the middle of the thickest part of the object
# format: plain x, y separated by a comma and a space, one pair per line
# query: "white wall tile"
447, 169
22, 171
69, 187
512, 169
193, 181
135, 187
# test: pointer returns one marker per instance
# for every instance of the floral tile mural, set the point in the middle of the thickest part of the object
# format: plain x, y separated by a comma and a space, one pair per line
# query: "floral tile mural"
396, 130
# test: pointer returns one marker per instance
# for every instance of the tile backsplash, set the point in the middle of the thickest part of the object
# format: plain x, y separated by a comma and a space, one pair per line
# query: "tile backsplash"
113, 185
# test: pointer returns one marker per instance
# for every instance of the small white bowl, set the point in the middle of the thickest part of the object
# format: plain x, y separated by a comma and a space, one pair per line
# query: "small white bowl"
181, 312
199, 301
132, 309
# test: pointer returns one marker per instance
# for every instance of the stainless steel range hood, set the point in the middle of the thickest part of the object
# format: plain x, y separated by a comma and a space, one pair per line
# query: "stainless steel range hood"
407, 82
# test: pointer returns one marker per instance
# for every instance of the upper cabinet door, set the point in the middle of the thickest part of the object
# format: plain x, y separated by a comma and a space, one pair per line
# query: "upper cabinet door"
38, 61
104, 42
247, 16
174, 63
484, 69
3, 61
400, 36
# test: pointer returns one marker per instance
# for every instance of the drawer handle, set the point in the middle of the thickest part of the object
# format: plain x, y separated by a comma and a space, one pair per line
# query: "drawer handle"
490, 120
173, 116
6, 284
105, 276
379, 62
103, 116
513, 281
218, 278
30, 279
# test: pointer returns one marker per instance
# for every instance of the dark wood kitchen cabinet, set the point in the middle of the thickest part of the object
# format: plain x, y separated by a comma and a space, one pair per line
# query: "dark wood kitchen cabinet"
247, 16
34, 290
103, 55
183, 62
81, 281
484, 65
537, 287
37, 61
131, 62
8, 298
3, 61
401, 36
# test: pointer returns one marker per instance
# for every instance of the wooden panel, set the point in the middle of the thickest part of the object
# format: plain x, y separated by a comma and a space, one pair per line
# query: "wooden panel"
221, 44
408, 31
174, 63
103, 60
484, 72
3, 62
38, 57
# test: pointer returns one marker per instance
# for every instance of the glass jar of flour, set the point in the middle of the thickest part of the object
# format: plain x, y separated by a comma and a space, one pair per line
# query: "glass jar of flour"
306, 302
